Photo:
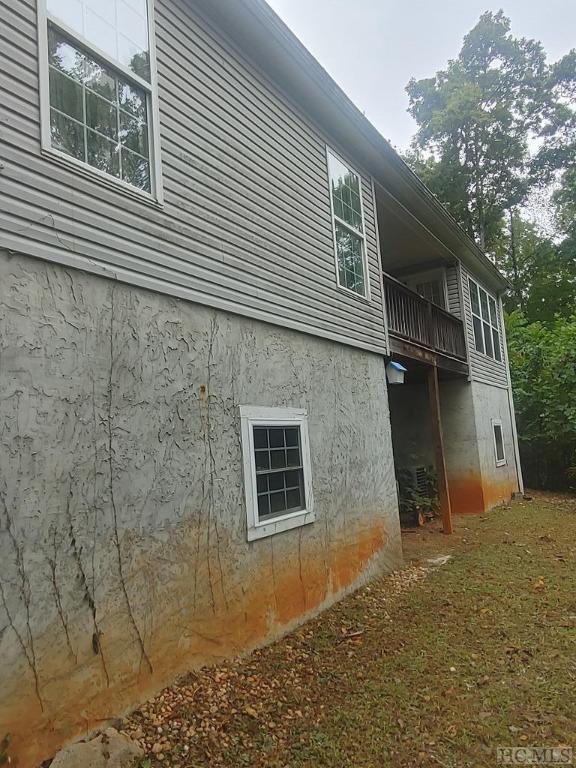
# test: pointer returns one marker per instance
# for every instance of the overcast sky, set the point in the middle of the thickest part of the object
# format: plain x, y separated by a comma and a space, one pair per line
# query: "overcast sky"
373, 47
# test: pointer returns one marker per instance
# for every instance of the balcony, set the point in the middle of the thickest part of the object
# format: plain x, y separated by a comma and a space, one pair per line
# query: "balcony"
419, 329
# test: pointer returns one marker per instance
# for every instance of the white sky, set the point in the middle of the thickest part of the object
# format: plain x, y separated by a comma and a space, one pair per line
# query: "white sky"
373, 47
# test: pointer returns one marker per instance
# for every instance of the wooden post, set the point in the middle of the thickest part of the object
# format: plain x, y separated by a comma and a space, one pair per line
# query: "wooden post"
434, 400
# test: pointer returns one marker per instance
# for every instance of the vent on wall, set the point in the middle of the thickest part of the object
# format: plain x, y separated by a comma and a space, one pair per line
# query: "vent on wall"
420, 478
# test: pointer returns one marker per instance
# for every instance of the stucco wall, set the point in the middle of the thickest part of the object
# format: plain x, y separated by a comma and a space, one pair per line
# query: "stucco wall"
476, 484
123, 552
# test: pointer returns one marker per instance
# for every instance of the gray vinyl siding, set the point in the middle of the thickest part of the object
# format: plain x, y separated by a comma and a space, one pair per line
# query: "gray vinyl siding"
482, 367
453, 286
246, 224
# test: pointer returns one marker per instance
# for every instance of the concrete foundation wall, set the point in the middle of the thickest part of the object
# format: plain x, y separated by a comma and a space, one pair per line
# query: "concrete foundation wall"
123, 552
476, 484
498, 483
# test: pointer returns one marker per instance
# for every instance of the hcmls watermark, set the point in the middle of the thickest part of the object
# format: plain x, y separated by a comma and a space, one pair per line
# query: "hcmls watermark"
534, 755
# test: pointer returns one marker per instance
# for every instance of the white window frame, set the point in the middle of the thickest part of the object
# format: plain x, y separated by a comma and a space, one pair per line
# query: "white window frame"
151, 89
366, 295
430, 276
482, 321
251, 416
498, 423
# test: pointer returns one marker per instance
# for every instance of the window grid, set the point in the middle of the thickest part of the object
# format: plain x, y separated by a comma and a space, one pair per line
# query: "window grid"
279, 470
131, 158
120, 153
348, 225
485, 322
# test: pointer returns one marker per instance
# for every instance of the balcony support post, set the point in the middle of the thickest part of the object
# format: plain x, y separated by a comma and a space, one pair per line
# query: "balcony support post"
443, 494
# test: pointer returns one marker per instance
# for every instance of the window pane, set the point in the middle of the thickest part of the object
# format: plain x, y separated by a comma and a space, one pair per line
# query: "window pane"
102, 153
292, 436
493, 316
136, 170
66, 95
262, 483
474, 300
260, 437
101, 80
488, 339
345, 190
478, 340
278, 459
133, 133
119, 28
294, 499
484, 305
292, 478
101, 115
276, 438
67, 135
65, 57
496, 340
263, 506
276, 481
277, 502
293, 457
498, 439
350, 250
132, 99
262, 460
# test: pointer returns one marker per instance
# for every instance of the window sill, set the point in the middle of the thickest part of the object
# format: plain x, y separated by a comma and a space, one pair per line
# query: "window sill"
366, 299
278, 526
101, 178
501, 463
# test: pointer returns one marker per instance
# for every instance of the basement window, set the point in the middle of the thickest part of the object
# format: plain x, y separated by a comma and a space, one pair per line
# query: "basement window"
498, 443
277, 474
485, 322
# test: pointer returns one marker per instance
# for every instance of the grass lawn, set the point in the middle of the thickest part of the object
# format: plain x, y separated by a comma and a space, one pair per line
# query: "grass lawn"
434, 666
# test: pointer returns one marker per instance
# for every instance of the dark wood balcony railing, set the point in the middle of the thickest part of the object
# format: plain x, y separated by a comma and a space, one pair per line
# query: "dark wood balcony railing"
421, 322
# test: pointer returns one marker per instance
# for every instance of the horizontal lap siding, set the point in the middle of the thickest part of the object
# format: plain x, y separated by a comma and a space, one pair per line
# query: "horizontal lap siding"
453, 291
246, 224
482, 367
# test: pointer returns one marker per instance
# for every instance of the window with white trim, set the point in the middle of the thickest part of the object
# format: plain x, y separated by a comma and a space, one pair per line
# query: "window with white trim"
277, 474
499, 451
98, 89
485, 322
348, 226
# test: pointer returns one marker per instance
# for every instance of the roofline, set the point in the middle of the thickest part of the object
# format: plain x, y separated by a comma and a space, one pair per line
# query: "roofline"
282, 35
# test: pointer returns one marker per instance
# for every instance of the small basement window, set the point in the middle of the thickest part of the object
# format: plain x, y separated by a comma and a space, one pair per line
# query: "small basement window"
498, 443
277, 474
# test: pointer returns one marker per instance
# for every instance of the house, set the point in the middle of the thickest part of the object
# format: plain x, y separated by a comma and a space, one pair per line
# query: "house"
208, 256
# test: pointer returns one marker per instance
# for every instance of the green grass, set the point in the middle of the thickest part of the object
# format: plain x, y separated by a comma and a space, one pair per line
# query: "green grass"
479, 654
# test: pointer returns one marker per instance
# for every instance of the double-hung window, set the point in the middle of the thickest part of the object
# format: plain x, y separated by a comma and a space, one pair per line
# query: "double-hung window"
98, 88
348, 224
277, 473
485, 321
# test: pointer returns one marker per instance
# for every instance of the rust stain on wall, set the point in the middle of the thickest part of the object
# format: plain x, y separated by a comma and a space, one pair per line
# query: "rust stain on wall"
473, 494
77, 699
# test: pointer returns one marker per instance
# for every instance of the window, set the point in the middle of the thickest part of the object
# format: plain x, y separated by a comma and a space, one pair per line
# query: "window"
433, 291
98, 95
498, 443
277, 475
485, 322
348, 221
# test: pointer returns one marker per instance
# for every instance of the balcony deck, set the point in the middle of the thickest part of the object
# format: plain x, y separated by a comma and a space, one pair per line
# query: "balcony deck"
421, 330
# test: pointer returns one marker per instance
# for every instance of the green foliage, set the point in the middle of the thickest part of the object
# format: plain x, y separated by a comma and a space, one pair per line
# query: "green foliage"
474, 119
543, 366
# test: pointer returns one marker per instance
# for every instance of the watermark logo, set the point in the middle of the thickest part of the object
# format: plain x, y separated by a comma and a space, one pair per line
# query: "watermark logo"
534, 755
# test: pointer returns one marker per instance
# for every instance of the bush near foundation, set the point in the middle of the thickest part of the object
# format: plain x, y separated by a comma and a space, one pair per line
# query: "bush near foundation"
543, 369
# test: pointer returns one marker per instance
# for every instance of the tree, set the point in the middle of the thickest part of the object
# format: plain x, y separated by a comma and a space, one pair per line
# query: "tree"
474, 120
543, 366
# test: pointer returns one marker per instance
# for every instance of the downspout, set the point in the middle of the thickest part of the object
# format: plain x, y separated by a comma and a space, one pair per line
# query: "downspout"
511, 401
